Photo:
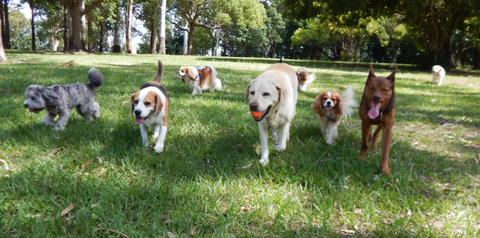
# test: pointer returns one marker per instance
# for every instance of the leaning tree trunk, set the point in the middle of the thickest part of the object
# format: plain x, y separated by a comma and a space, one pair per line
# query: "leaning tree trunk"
6, 26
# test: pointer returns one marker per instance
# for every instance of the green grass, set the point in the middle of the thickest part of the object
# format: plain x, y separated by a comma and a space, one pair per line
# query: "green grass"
208, 182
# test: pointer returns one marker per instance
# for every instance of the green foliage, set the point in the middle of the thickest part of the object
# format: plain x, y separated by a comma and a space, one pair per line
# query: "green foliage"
20, 31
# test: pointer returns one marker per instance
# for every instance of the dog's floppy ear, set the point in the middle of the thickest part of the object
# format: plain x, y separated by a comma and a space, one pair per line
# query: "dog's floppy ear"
247, 92
282, 94
131, 104
190, 74
158, 104
49, 95
317, 104
371, 74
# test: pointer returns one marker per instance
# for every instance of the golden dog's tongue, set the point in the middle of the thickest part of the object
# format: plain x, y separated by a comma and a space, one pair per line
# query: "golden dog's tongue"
374, 110
139, 121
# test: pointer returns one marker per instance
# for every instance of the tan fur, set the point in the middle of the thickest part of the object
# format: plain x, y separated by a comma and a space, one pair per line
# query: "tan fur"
274, 94
205, 76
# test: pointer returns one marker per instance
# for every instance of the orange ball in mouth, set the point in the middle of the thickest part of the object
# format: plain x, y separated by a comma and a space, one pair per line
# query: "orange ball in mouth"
256, 114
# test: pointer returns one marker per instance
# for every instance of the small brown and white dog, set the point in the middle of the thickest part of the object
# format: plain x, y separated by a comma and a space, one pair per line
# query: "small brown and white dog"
273, 99
204, 77
304, 79
330, 107
438, 74
150, 106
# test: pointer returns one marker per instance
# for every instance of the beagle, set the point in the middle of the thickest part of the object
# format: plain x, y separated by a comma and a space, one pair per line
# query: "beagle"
150, 105
201, 78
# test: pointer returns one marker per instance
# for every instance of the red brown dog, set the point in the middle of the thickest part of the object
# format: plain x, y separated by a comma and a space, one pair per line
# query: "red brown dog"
378, 108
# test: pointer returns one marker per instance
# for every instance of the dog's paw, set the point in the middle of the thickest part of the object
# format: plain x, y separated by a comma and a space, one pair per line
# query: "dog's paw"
59, 127
158, 148
385, 171
362, 155
275, 138
279, 147
47, 122
330, 142
146, 145
264, 161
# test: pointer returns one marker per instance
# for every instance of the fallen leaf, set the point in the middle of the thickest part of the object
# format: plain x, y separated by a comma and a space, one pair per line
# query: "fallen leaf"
55, 151
5, 163
247, 166
86, 163
194, 230
244, 208
171, 235
219, 130
68, 64
67, 210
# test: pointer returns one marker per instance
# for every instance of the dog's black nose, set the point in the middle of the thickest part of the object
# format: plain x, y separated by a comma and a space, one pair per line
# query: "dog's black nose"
376, 97
329, 103
25, 105
254, 106
138, 112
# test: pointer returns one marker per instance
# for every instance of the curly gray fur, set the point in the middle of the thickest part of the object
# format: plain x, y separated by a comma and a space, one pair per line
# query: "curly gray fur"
61, 99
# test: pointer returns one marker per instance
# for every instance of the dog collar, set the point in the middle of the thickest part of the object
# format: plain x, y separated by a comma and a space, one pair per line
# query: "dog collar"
328, 119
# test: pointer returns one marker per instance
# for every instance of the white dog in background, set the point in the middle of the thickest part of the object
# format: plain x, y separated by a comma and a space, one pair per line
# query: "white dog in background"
273, 99
304, 79
438, 74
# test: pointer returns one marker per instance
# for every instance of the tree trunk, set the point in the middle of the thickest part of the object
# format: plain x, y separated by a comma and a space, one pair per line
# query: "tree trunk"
3, 56
185, 40
77, 31
216, 51
5, 25
66, 46
476, 59
274, 49
101, 34
128, 25
163, 9
32, 7
153, 39
190, 41
89, 37
76, 12
117, 33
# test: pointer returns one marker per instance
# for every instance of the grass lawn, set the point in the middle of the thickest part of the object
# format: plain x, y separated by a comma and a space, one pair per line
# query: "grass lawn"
97, 180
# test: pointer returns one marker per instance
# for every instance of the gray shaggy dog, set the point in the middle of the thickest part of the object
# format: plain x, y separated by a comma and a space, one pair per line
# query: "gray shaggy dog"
61, 99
